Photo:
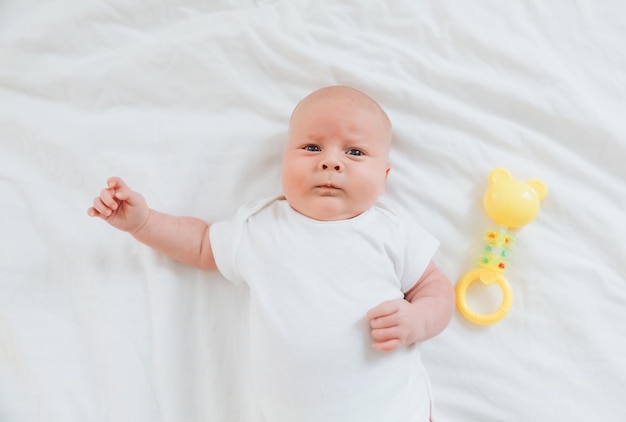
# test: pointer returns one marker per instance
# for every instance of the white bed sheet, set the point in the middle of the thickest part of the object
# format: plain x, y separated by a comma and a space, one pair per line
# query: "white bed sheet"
189, 102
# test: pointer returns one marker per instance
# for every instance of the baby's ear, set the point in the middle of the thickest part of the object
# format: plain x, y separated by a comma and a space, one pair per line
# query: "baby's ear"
539, 187
498, 175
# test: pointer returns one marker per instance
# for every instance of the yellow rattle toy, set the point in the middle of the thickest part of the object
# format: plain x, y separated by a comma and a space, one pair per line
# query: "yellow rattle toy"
511, 204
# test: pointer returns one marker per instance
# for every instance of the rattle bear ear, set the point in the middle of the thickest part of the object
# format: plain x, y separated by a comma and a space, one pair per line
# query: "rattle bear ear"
539, 187
498, 175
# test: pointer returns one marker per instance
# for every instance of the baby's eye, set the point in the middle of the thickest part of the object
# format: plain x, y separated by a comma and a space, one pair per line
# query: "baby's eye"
312, 148
356, 152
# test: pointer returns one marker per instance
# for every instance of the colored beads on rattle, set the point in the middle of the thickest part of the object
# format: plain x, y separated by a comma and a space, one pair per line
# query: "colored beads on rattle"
495, 254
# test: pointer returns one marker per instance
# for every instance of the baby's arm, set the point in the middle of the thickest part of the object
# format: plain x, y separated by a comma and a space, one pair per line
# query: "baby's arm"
425, 311
185, 239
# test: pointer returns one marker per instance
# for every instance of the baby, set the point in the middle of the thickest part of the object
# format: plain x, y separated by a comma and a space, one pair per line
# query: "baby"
342, 287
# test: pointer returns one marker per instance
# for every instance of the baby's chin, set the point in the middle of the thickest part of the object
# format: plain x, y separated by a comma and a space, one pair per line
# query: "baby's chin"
328, 209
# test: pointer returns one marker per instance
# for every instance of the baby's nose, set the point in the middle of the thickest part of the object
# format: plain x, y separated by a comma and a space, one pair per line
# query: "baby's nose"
336, 166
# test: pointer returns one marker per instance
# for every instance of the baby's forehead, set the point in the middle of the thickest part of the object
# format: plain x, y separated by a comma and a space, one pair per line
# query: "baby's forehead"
340, 95
336, 96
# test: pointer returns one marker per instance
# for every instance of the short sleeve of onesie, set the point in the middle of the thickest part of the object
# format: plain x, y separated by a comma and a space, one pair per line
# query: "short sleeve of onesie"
226, 235
419, 247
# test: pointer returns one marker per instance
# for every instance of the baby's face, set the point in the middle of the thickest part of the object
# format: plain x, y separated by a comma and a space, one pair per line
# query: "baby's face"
335, 163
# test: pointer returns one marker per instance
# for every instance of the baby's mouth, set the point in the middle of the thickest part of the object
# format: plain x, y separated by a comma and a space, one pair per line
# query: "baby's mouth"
327, 186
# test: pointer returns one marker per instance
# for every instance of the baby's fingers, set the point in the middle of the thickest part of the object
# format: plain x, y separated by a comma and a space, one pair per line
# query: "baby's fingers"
115, 183
387, 346
100, 208
385, 334
384, 321
122, 192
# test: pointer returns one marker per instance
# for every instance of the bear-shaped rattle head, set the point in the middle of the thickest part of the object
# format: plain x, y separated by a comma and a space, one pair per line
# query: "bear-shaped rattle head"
512, 203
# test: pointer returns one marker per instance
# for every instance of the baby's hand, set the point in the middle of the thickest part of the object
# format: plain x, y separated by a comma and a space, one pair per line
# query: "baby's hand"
393, 324
120, 206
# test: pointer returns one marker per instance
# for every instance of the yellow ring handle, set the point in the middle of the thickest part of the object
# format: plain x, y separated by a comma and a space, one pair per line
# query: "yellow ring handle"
485, 276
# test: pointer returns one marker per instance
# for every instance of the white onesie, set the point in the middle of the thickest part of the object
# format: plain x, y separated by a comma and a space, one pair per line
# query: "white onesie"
311, 283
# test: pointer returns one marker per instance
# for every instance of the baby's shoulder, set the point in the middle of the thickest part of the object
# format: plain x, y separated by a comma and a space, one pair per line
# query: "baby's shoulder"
248, 210
393, 214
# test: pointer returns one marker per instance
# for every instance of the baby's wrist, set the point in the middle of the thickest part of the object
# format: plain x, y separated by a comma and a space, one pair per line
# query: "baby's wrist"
143, 223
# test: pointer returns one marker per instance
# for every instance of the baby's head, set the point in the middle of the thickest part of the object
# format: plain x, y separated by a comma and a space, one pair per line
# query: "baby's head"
336, 159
